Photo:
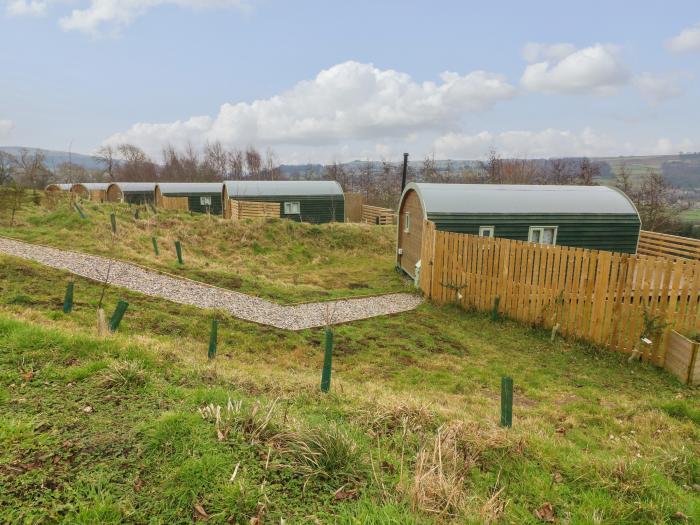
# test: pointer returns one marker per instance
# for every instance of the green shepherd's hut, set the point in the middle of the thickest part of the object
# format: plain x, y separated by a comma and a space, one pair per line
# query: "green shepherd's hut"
131, 192
303, 201
198, 197
594, 217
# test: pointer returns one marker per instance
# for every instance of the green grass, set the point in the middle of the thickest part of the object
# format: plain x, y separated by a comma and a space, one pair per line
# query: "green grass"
277, 259
124, 429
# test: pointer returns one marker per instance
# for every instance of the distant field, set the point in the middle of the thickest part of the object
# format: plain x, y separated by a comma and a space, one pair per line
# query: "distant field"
691, 215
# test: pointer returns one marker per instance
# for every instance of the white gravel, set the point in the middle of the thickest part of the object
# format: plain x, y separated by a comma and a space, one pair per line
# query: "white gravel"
197, 294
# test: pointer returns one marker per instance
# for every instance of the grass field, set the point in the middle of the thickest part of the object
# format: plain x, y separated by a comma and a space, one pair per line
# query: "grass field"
124, 430
280, 260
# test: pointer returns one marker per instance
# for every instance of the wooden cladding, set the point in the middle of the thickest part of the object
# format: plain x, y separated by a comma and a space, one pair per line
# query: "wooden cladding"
594, 295
665, 245
377, 215
173, 203
252, 209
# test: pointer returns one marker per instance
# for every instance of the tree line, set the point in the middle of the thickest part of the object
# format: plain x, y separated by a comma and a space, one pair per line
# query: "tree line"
659, 204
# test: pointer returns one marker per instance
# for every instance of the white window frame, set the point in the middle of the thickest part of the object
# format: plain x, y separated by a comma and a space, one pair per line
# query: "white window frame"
541, 230
292, 208
205, 200
491, 229
407, 222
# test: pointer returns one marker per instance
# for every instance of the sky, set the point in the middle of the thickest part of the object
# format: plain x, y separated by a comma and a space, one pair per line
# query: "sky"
323, 81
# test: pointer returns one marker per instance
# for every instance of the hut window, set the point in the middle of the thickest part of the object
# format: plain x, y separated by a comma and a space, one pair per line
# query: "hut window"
407, 222
205, 201
292, 208
543, 234
486, 231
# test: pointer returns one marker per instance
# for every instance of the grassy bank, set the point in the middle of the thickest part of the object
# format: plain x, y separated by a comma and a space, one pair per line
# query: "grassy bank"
125, 429
281, 260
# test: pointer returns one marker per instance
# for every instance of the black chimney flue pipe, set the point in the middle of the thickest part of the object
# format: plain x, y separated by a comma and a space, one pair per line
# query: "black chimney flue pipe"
405, 169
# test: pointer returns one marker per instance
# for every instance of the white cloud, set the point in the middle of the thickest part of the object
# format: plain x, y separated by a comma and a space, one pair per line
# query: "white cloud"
665, 146
117, 13
561, 68
95, 16
27, 7
657, 88
685, 41
6, 127
528, 144
347, 102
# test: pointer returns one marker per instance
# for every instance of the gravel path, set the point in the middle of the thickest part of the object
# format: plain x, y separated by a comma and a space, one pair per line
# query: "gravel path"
184, 291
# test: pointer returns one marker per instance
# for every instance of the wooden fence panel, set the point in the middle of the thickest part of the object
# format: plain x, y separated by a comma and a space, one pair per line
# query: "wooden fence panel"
377, 215
594, 295
253, 209
671, 246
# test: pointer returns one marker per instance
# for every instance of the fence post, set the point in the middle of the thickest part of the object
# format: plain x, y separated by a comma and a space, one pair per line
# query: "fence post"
155, 246
213, 339
68, 299
80, 211
178, 249
118, 315
113, 220
494, 311
506, 401
327, 362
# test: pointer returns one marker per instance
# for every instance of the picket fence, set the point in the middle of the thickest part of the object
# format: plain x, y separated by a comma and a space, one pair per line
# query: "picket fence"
599, 296
665, 245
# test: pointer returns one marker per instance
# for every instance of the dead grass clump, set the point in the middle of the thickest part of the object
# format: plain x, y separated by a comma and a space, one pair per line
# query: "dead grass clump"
402, 416
440, 482
253, 421
124, 374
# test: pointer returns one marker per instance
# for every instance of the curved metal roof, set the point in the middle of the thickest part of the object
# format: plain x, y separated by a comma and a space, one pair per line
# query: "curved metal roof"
507, 198
282, 187
93, 185
135, 187
192, 188
61, 187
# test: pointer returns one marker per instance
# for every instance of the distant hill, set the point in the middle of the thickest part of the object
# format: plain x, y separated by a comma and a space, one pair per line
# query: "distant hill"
56, 158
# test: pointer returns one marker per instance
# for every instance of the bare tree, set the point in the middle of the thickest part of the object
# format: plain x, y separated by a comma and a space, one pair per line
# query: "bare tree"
7, 168
657, 203
66, 172
559, 171
135, 165
623, 181
216, 161
253, 162
106, 156
11, 199
31, 170
271, 169
588, 171
236, 164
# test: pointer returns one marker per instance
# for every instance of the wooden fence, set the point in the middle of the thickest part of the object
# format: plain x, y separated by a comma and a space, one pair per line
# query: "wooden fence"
174, 203
672, 246
598, 296
252, 209
377, 215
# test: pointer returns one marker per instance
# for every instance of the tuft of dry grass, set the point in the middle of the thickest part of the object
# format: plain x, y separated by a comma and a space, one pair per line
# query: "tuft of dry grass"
124, 374
402, 415
440, 482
